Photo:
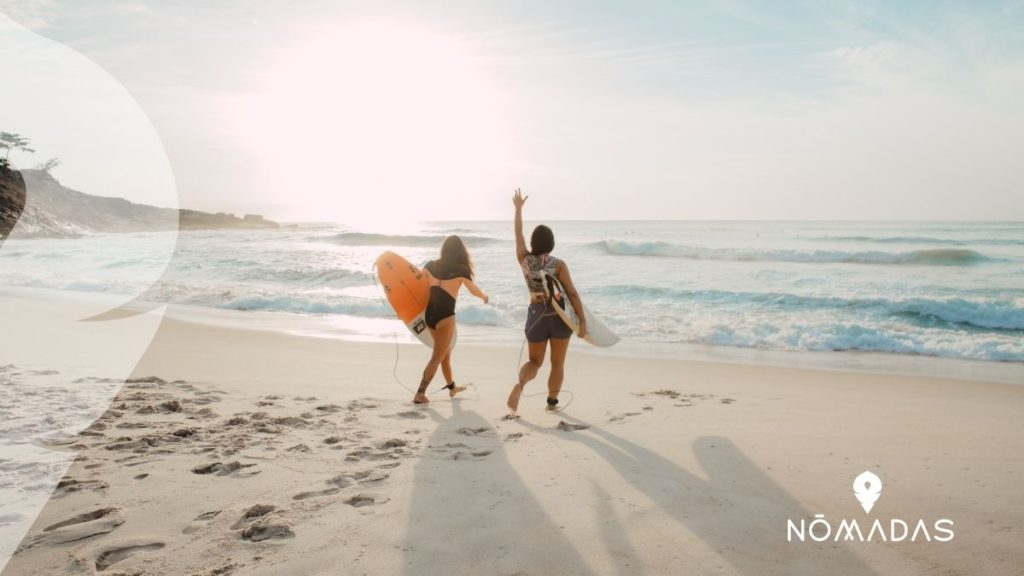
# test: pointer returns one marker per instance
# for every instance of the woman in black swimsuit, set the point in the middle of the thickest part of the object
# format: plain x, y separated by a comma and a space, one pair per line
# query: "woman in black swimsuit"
447, 275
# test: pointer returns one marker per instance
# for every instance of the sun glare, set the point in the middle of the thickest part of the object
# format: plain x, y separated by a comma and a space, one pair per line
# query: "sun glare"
375, 124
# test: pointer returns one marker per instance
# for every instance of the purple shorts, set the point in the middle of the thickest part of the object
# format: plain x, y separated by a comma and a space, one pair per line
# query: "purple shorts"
542, 322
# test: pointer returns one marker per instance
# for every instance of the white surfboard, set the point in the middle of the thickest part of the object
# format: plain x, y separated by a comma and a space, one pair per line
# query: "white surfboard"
597, 333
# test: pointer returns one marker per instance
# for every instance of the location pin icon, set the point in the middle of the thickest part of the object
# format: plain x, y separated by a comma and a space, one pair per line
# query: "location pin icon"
867, 487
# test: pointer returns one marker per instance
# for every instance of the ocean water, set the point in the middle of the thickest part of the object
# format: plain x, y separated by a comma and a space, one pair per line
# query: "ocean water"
952, 290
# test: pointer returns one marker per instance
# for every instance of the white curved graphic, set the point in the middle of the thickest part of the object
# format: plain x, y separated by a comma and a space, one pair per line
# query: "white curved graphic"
61, 359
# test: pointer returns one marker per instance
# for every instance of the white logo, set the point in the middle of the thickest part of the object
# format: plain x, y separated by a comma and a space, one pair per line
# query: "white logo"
867, 487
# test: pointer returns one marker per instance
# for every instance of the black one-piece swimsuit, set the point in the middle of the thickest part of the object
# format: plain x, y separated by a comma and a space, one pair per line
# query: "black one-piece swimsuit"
440, 305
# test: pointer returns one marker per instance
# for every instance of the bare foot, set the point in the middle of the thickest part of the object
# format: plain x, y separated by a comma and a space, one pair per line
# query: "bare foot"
455, 390
513, 397
420, 399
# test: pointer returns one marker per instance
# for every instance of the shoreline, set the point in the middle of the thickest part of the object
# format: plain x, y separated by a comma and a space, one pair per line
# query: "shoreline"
391, 332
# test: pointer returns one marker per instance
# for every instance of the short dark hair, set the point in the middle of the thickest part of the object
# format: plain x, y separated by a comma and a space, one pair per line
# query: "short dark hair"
542, 241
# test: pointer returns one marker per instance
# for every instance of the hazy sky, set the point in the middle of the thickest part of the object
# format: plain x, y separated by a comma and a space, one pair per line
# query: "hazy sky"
437, 110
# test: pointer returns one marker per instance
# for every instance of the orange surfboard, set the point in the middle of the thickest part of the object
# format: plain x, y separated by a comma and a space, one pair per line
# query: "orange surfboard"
407, 290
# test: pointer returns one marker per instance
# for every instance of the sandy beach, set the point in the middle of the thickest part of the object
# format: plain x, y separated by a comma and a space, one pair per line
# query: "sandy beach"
235, 451
233, 233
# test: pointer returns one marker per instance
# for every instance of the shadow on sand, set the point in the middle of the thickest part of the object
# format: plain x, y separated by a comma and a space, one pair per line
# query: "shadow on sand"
473, 514
739, 512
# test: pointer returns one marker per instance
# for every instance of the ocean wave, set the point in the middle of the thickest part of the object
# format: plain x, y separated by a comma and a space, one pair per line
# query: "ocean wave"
297, 304
476, 315
334, 277
998, 314
853, 336
371, 239
932, 257
922, 240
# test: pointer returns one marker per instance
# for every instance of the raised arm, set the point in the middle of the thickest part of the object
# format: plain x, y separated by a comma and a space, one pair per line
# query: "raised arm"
518, 200
475, 290
562, 271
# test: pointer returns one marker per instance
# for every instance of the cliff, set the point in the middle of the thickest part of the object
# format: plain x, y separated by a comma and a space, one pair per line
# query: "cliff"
57, 211
12, 199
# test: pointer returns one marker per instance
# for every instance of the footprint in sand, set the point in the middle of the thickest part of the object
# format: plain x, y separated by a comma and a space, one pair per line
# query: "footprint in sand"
391, 443
460, 455
366, 499
87, 525
70, 485
409, 415
112, 556
290, 422
363, 477
138, 462
513, 436
473, 431
254, 512
201, 521
133, 425
267, 531
221, 469
367, 453
316, 493
623, 416
204, 414
204, 398
184, 432
360, 405
207, 516
567, 427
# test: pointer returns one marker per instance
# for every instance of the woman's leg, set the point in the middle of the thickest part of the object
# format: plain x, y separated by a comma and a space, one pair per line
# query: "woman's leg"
527, 372
446, 370
559, 349
442, 341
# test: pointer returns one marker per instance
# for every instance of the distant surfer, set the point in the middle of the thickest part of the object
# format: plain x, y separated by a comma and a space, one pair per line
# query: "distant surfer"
542, 323
447, 274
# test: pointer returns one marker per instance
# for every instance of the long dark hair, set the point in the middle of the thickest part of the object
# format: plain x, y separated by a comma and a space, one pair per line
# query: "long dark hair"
542, 241
455, 258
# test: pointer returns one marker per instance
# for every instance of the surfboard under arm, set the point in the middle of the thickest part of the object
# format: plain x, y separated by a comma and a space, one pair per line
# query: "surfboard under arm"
598, 333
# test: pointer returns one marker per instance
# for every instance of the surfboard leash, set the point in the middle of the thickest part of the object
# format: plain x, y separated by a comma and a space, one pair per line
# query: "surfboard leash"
394, 334
519, 363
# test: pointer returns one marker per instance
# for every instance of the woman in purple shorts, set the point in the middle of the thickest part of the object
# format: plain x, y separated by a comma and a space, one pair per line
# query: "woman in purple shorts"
543, 324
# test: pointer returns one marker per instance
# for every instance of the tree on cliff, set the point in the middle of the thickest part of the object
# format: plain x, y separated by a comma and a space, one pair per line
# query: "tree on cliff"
49, 165
11, 141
